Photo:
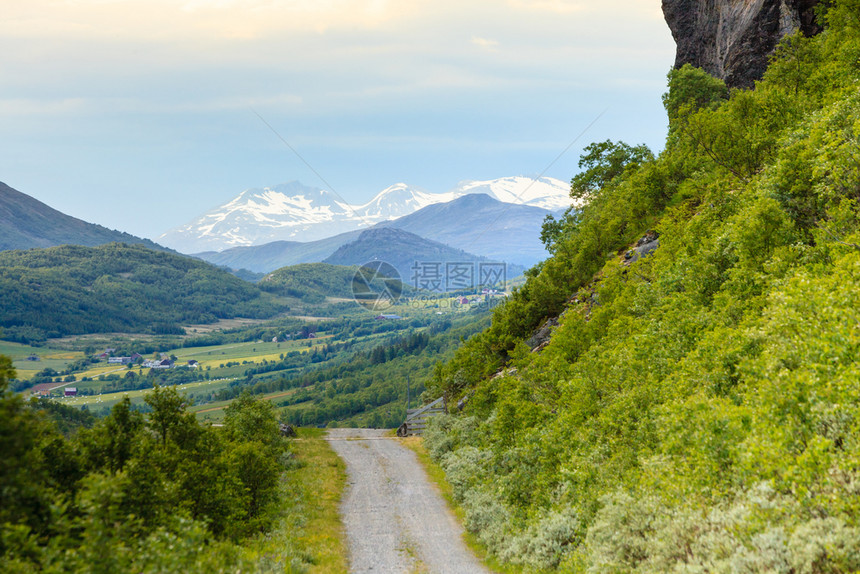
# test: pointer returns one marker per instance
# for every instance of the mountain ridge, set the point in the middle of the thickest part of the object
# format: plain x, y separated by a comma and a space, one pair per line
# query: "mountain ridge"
26, 223
271, 256
481, 224
476, 223
296, 212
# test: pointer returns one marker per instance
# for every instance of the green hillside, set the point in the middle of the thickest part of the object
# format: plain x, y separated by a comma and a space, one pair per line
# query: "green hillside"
311, 281
329, 290
71, 290
26, 222
697, 406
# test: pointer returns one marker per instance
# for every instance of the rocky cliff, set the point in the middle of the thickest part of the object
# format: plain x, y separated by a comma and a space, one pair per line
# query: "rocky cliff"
732, 39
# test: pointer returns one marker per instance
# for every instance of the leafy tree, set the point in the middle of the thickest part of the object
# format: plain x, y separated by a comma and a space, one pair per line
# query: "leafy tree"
247, 419
25, 498
110, 444
553, 230
258, 473
168, 417
163, 494
692, 89
604, 163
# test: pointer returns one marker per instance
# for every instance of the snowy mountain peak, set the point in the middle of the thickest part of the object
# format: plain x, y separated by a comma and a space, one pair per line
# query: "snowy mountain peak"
260, 215
293, 211
545, 192
396, 201
281, 198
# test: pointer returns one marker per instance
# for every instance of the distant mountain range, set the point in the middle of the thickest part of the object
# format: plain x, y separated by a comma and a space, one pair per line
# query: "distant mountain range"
270, 256
476, 223
468, 226
482, 225
295, 212
545, 192
26, 222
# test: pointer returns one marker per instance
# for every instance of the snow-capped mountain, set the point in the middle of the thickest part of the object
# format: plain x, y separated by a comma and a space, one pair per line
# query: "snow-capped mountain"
290, 211
545, 192
295, 212
398, 200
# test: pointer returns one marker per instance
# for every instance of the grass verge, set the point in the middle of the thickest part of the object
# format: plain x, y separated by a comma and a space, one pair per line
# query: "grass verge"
319, 481
308, 537
437, 476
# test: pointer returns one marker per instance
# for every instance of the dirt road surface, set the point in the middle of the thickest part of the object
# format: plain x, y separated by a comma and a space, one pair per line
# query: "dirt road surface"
395, 520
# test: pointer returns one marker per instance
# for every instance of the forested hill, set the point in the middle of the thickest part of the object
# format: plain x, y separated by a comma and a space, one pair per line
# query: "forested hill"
402, 250
70, 290
314, 280
26, 222
692, 402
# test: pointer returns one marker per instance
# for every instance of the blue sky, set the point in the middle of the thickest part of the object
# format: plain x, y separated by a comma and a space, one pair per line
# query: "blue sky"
142, 114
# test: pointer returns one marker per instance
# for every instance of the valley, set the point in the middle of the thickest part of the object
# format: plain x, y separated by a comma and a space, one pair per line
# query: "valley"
112, 320
332, 363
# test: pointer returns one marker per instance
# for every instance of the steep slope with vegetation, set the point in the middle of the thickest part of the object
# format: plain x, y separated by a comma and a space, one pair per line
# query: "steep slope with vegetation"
697, 409
72, 290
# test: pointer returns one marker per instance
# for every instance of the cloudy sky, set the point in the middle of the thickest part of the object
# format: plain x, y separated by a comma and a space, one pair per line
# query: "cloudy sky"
142, 114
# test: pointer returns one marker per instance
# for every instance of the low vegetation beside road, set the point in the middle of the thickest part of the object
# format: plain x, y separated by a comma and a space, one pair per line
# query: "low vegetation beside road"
162, 492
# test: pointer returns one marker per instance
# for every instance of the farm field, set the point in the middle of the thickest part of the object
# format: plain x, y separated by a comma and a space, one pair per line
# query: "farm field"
220, 364
110, 399
213, 357
101, 369
52, 358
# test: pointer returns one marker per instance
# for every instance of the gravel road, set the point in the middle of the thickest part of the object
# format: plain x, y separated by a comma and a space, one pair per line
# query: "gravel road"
395, 520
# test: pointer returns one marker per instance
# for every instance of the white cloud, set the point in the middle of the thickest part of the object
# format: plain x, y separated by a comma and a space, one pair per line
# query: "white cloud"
24, 106
556, 6
484, 42
196, 19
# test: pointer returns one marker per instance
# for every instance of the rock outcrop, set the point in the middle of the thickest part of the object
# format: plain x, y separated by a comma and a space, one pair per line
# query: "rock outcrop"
643, 248
541, 337
732, 39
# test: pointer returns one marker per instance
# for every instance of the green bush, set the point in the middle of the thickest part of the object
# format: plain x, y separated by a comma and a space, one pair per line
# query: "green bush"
155, 493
